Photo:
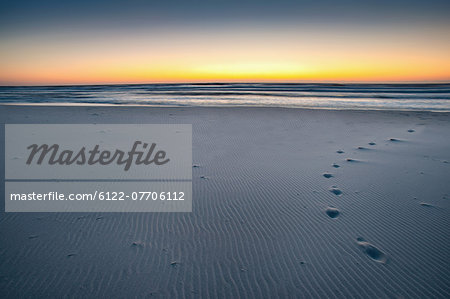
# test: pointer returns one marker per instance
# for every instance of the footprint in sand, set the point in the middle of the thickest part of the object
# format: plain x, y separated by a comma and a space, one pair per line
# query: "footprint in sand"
340, 151
372, 143
394, 140
411, 131
335, 191
328, 175
362, 148
371, 251
335, 165
332, 212
138, 244
351, 160
425, 204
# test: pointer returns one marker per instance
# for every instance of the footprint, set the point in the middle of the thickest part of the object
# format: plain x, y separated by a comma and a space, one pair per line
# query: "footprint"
195, 166
351, 160
340, 151
425, 204
332, 212
372, 251
411, 131
204, 177
362, 148
372, 143
335, 165
394, 140
336, 191
328, 175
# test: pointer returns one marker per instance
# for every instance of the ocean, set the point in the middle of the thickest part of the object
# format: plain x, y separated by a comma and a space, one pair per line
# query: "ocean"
420, 97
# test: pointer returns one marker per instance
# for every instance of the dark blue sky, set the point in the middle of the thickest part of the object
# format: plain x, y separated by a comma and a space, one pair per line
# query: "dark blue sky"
18, 16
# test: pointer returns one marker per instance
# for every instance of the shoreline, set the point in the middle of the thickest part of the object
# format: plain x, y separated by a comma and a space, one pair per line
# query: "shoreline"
101, 105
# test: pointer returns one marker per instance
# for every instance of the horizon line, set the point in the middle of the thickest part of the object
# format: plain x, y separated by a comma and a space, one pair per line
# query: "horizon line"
433, 82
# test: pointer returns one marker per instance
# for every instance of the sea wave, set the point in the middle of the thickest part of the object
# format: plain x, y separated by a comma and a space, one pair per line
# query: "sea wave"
425, 97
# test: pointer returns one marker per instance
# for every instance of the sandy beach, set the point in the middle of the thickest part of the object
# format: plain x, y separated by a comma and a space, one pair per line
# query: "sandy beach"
286, 203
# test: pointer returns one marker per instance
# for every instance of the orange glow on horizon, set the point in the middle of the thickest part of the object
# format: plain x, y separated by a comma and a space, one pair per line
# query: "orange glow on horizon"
229, 56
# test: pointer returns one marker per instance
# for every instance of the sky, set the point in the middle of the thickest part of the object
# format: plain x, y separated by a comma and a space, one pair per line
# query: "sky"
105, 42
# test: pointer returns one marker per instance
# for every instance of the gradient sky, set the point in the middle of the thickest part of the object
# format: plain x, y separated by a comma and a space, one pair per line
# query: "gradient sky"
93, 42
